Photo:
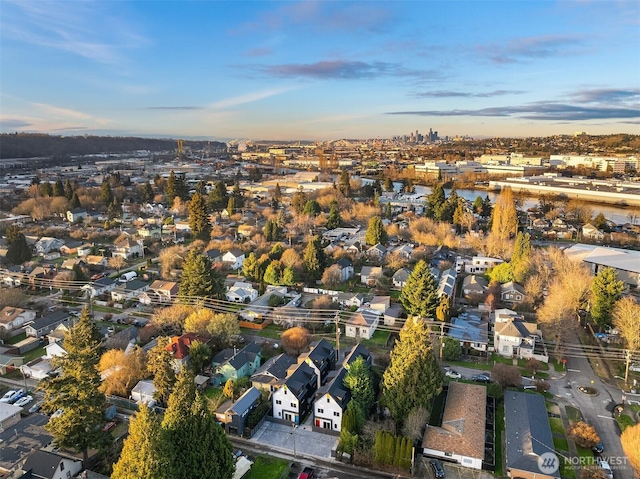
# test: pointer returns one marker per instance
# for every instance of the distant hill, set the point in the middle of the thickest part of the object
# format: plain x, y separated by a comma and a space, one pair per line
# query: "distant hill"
32, 145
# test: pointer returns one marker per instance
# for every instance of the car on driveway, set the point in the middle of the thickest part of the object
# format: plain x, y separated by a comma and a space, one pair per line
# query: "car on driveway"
481, 378
453, 374
35, 407
8, 396
20, 393
598, 448
436, 467
23, 401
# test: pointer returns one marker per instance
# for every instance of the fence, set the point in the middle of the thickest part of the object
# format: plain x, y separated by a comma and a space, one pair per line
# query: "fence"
330, 292
258, 326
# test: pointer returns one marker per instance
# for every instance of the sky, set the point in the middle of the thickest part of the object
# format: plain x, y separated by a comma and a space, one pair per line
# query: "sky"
319, 70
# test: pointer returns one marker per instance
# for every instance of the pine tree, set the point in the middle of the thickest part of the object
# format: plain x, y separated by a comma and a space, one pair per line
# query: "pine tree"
344, 184
18, 250
199, 218
171, 189
388, 184
298, 201
313, 261
218, 196
68, 189
375, 232
76, 391
74, 202
413, 377
140, 457
106, 195
250, 267
272, 273
359, 380
231, 206
435, 201
46, 189
146, 192
199, 279
288, 277
311, 208
419, 296
477, 205
387, 211
334, 220
606, 289
237, 195
159, 365
58, 188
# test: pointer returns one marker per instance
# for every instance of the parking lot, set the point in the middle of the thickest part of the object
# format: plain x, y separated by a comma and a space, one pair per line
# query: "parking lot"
452, 471
301, 440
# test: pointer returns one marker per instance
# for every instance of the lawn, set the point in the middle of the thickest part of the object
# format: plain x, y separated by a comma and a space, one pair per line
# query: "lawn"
561, 444
552, 407
573, 414
567, 470
16, 339
34, 353
624, 421
266, 467
586, 453
556, 425
213, 393
471, 364
272, 332
379, 339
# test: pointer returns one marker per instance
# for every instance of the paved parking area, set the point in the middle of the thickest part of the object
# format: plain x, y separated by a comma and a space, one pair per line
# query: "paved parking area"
301, 440
452, 471
19, 440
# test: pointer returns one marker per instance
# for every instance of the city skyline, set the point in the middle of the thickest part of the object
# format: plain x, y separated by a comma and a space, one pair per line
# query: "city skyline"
319, 70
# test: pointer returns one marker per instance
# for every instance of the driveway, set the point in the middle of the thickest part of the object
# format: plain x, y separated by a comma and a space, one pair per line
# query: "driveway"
301, 441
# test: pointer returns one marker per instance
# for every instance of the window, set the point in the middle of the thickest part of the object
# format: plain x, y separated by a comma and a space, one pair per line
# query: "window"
285, 391
327, 399
336, 413
335, 426
293, 404
278, 401
320, 411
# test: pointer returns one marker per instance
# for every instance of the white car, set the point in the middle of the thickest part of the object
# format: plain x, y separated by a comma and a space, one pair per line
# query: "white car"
58, 413
453, 374
606, 468
23, 401
8, 396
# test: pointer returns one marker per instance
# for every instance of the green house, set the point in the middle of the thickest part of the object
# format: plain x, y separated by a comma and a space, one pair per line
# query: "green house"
234, 364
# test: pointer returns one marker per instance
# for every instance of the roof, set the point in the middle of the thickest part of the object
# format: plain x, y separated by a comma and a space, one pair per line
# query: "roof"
371, 270
8, 410
181, 346
244, 402
527, 437
463, 422
363, 317
302, 376
160, 285
9, 313
321, 350
133, 285
274, 368
401, 275
358, 351
49, 320
104, 281
144, 387
469, 328
236, 358
43, 464
338, 391
512, 286
236, 252
344, 262
474, 280
515, 329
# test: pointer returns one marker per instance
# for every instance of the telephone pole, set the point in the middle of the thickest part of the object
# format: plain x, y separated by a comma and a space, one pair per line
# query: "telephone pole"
337, 321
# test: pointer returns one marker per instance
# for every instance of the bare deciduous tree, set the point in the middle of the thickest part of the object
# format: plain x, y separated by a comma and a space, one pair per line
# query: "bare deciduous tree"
625, 319
332, 276
506, 375
295, 340
413, 427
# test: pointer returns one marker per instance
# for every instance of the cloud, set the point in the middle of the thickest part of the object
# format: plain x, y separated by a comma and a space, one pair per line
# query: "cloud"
249, 98
521, 49
537, 111
57, 112
7, 124
607, 95
85, 29
463, 94
259, 52
333, 69
181, 108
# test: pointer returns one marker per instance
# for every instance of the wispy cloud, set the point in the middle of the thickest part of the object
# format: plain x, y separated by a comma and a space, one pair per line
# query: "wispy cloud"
259, 52
86, 29
58, 112
180, 108
10, 124
521, 49
607, 95
464, 94
249, 98
536, 111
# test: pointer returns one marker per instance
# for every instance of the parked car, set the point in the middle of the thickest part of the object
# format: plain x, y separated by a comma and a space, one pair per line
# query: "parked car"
606, 468
36, 407
58, 413
307, 473
453, 374
20, 393
481, 378
8, 395
23, 401
436, 467
598, 448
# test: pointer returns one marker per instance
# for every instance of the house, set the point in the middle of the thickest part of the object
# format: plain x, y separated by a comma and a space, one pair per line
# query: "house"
406, 250
234, 259
180, 348
321, 357
474, 285
122, 339
274, 370
349, 299
234, 364
626, 262
400, 277
12, 318
357, 351
150, 231
100, 286
46, 245
76, 214
50, 465
480, 264
377, 251
85, 249
330, 404
241, 292
294, 399
9, 415
471, 331
97, 262
71, 263
289, 316
527, 437
447, 283
393, 314
362, 324
461, 436
127, 249
346, 269
591, 232
370, 274
514, 337
165, 291
214, 255
380, 303
236, 416
42, 326
129, 291
143, 392
40, 273
512, 292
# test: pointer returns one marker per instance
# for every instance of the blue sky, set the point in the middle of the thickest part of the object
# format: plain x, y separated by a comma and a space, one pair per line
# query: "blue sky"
319, 70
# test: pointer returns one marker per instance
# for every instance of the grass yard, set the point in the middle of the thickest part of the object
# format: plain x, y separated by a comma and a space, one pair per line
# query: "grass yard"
556, 425
16, 339
573, 414
34, 353
379, 339
471, 364
552, 407
586, 453
561, 444
266, 467
624, 421
567, 470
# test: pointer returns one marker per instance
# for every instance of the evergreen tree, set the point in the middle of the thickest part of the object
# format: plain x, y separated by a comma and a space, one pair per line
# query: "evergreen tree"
459, 213
58, 188
387, 211
46, 189
344, 185
448, 208
477, 205
74, 202
140, 457
288, 276
413, 377
334, 220
359, 380
231, 206
520, 257
146, 192
76, 391
272, 231
298, 201
273, 272
277, 193
106, 195
435, 201
68, 189
218, 196
159, 365
114, 210
606, 289
388, 184
79, 274
199, 218
237, 194
171, 189
251, 267
419, 296
314, 261
18, 250
311, 208
375, 232
486, 207
199, 279
192, 442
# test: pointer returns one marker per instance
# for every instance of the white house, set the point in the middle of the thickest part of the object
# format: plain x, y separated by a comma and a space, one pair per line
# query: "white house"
100, 286
406, 250
76, 214
12, 318
591, 232
234, 258
346, 269
461, 436
50, 465
47, 244
241, 292
127, 249
370, 274
129, 290
143, 392
399, 278
514, 337
330, 404
480, 264
292, 401
362, 324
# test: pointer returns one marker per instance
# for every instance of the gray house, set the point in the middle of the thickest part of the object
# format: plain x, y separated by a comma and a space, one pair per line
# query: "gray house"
236, 416
42, 326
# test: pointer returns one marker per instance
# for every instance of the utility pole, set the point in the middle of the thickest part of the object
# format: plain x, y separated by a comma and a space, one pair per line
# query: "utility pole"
337, 321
